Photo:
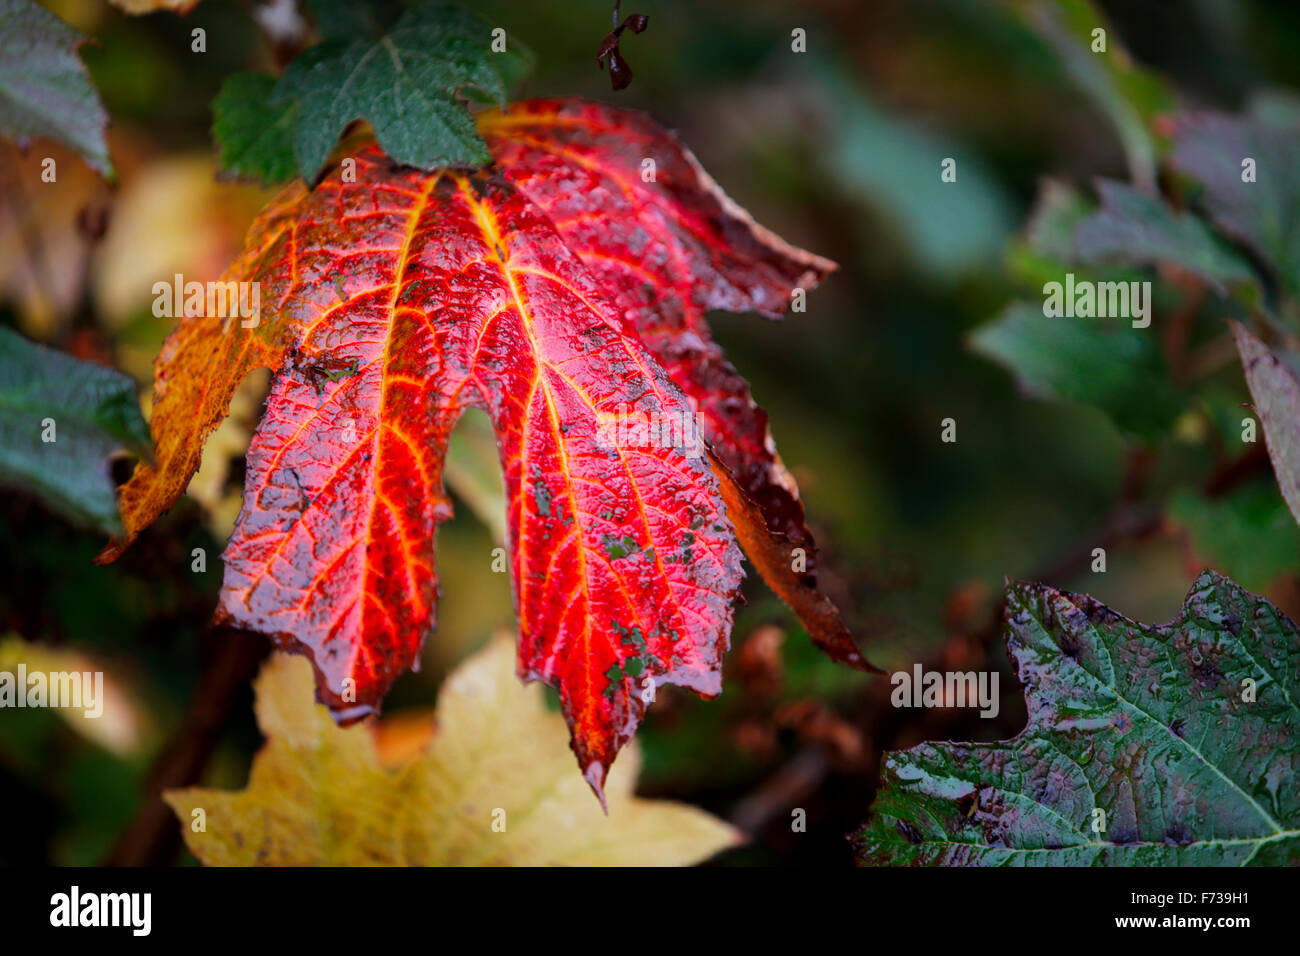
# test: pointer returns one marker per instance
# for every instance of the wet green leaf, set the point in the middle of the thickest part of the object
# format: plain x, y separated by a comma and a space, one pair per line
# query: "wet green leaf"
406, 85
255, 135
1176, 744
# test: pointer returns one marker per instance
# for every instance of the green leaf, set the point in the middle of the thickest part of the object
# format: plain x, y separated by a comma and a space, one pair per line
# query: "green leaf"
1134, 228
255, 135
350, 19
44, 88
1153, 726
405, 84
95, 412
1045, 249
1099, 362
1264, 214
1276, 390
1127, 94
1248, 532
1058, 210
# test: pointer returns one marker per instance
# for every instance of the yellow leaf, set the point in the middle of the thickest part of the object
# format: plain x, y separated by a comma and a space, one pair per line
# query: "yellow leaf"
494, 787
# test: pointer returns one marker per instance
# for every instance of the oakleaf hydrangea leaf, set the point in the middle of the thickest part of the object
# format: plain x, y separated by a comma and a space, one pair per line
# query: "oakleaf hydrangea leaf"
394, 300
1176, 744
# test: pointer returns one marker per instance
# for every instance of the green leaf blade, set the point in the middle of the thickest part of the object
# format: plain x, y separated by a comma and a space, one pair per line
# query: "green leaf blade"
1099, 362
406, 85
1134, 228
1149, 724
95, 413
45, 91
255, 134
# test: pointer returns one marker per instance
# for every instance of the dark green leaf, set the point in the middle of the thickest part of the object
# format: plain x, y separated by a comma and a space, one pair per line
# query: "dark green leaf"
350, 19
405, 85
254, 134
44, 88
94, 412
1153, 726
1099, 362
1134, 228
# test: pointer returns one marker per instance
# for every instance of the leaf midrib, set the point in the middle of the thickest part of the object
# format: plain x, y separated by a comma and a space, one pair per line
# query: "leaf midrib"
1113, 691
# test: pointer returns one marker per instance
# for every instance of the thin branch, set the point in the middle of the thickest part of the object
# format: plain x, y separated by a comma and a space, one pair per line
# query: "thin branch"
153, 837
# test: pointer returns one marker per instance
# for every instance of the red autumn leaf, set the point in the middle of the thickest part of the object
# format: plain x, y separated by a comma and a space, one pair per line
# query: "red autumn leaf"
391, 303
667, 245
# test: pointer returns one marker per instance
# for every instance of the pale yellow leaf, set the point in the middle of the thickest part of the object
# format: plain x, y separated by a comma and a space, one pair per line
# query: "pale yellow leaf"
496, 786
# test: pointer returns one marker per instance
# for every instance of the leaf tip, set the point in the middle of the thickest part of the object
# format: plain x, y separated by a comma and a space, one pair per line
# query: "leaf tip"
595, 776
